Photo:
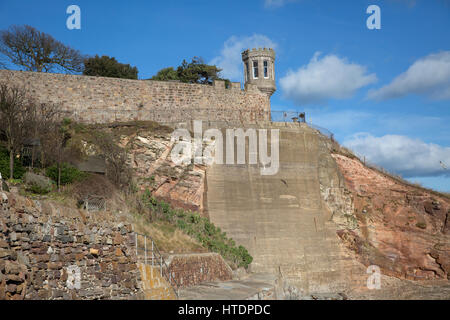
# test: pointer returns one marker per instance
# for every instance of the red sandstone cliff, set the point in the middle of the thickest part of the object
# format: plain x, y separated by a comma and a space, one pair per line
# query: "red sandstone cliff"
403, 229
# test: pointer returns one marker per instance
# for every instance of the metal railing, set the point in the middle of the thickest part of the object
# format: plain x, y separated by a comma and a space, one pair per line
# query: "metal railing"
322, 130
150, 255
287, 116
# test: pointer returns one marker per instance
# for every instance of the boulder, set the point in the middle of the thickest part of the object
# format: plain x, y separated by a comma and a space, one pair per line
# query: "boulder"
37, 183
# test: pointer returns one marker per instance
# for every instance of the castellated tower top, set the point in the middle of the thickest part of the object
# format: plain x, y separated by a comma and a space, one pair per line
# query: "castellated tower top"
259, 69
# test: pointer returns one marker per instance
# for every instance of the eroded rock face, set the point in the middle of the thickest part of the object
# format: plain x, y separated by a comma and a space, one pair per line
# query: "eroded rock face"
399, 227
149, 156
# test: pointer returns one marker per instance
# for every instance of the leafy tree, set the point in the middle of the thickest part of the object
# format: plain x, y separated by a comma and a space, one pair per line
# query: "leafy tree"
109, 67
195, 71
166, 74
64, 174
4, 166
34, 50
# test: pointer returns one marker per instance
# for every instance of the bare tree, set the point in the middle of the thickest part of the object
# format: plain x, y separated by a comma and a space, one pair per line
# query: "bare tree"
16, 112
43, 119
53, 144
34, 50
2, 63
116, 158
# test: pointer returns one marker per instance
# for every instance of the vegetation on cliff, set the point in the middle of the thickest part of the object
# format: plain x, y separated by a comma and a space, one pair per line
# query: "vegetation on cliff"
210, 236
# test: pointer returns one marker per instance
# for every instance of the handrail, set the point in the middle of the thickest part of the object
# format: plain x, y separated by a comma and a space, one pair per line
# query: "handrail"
164, 268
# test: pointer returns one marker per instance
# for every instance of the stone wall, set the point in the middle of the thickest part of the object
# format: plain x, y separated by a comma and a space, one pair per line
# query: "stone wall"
192, 269
40, 243
103, 100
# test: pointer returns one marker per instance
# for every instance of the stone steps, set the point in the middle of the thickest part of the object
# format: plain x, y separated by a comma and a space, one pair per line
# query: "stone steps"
154, 286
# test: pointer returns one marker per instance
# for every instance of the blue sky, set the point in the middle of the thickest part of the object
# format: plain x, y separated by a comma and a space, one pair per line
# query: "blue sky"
384, 93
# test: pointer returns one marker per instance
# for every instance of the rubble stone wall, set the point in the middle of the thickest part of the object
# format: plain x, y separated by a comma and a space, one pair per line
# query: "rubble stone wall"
192, 269
50, 252
105, 100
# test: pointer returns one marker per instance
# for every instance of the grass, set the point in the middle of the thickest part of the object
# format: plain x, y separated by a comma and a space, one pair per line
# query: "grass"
200, 228
167, 237
338, 149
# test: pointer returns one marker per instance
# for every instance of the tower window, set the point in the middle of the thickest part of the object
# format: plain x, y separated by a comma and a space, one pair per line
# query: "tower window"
255, 70
266, 69
247, 71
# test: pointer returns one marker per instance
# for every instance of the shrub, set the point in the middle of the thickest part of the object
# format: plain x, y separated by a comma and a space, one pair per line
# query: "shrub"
38, 189
37, 183
69, 174
421, 225
105, 66
19, 170
200, 228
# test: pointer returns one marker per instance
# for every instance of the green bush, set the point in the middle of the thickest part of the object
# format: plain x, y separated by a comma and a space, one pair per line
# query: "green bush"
69, 174
421, 225
19, 170
105, 66
34, 188
200, 228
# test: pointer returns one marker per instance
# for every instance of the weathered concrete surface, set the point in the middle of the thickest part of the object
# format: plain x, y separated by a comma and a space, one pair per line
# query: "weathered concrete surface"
256, 287
281, 219
291, 224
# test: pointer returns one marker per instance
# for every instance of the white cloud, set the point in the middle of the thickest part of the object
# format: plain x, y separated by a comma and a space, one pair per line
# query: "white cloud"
322, 79
343, 120
429, 76
230, 59
400, 154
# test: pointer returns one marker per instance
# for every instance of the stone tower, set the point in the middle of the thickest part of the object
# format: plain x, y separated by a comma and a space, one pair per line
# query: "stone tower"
259, 69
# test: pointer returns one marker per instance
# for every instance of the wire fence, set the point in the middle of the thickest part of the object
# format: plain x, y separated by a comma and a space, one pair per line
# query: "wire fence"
322, 130
94, 203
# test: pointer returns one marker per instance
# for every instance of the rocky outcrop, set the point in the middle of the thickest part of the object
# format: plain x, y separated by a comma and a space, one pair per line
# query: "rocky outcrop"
401, 228
149, 156
53, 252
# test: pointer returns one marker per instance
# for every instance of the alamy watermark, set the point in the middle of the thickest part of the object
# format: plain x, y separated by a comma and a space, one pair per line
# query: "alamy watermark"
374, 20
207, 147
374, 280
73, 277
74, 20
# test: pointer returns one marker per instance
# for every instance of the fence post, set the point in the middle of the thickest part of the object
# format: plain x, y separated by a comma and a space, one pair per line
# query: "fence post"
145, 248
153, 255
160, 264
136, 238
